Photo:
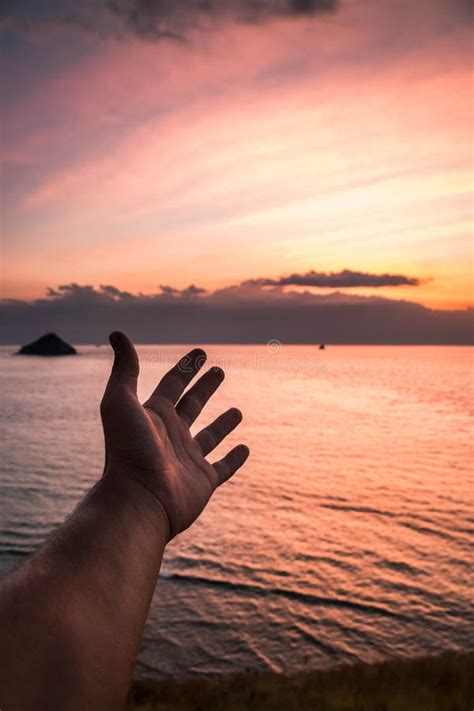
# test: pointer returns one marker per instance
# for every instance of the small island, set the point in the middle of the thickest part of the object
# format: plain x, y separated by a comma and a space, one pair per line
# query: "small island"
48, 345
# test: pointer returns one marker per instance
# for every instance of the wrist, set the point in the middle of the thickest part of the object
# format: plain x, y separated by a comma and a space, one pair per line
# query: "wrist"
133, 493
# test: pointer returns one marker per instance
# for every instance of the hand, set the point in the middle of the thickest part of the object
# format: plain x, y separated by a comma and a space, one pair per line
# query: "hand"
152, 444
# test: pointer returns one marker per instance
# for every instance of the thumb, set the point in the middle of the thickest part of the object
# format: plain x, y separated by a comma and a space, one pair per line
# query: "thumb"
125, 368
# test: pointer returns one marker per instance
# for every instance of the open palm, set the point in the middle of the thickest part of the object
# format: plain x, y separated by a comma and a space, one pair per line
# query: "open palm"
152, 443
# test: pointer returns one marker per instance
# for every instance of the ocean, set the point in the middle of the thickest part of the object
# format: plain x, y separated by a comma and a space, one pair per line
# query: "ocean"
346, 537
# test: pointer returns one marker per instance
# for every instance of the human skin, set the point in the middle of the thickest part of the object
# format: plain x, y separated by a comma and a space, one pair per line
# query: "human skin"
73, 614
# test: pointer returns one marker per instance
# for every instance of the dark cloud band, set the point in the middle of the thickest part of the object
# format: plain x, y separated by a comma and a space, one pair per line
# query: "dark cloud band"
150, 19
345, 279
247, 313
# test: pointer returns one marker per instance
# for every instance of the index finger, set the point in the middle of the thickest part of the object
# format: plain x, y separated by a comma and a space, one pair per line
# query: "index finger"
172, 385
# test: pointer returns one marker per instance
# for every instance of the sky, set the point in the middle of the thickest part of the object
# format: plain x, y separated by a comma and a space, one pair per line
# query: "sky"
240, 148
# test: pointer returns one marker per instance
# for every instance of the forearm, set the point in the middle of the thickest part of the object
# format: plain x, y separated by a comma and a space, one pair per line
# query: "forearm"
83, 598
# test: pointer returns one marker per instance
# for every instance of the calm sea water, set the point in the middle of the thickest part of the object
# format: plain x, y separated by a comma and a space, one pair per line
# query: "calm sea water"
345, 537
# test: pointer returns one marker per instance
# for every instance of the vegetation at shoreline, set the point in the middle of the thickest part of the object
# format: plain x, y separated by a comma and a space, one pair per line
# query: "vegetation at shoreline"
443, 683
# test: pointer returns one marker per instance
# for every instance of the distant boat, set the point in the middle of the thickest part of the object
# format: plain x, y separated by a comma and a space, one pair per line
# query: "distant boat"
322, 346
48, 345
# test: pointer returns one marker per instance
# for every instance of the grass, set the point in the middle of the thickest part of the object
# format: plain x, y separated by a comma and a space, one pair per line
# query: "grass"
443, 683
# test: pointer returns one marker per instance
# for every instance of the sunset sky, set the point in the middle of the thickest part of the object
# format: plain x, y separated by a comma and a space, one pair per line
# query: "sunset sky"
237, 150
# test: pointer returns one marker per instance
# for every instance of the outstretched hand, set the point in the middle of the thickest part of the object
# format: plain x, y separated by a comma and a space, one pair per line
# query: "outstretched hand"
152, 444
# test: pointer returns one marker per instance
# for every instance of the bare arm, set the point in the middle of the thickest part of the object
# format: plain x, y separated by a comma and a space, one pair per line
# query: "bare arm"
72, 616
